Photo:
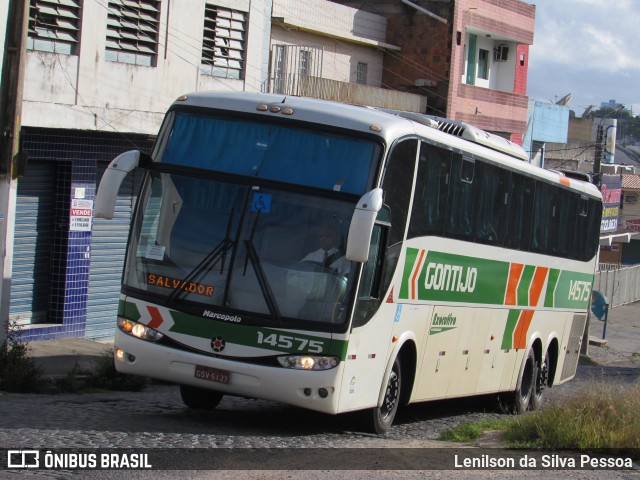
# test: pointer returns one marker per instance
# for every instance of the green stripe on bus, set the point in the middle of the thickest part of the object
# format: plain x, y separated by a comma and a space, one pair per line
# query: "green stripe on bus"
525, 285
455, 278
554, 274
258, 337
128, 310
510, 327
573, 290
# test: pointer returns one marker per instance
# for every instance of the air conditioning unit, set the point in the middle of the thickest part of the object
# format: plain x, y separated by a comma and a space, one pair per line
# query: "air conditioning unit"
501, 53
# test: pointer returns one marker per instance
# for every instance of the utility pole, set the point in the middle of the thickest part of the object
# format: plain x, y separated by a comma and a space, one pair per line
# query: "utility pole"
12, 81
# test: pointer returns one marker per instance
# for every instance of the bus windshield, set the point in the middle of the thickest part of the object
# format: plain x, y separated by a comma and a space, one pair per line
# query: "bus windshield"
243, 250
269, 151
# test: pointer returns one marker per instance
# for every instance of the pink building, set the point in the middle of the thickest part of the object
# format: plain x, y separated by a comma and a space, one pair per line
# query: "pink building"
468, 57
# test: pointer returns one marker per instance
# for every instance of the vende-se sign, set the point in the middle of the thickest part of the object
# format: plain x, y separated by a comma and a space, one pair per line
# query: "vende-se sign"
81, 215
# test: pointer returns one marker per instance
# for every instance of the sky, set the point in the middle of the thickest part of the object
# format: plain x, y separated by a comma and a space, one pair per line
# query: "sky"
588, 48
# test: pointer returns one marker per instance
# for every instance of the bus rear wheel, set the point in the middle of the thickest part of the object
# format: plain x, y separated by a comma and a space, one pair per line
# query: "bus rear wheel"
380, 419
200, 398
541, 383
520, 400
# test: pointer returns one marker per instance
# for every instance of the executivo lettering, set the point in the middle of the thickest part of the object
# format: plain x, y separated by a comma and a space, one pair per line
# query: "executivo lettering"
450, 278
449, 320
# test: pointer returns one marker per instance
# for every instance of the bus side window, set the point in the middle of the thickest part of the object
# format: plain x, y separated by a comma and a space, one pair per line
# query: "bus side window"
520, 207
587, 224
492, 203
431, 192
397, 183
461, 213
377, 272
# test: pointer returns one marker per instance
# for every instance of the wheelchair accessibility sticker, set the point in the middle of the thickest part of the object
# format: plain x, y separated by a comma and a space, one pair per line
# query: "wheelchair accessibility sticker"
261, 202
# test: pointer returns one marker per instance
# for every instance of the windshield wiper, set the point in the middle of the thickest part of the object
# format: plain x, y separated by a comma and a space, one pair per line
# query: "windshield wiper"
219, 252
263, 282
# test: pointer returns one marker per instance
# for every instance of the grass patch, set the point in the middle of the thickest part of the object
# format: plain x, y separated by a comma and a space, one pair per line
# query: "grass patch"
465, 432
605, 418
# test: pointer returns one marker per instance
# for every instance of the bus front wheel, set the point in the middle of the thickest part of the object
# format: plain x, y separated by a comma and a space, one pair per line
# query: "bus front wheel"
200, 398
381, 418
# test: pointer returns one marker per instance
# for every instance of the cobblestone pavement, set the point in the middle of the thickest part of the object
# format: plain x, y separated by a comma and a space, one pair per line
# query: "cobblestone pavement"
156, 417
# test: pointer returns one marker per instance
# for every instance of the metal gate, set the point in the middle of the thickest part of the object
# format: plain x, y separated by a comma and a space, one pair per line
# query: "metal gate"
108, 245
30, 283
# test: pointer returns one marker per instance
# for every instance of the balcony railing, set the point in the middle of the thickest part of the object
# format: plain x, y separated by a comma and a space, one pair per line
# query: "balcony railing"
346, 92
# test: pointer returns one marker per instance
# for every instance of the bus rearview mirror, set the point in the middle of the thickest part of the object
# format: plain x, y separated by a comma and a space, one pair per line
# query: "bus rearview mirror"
107, 194
364, 217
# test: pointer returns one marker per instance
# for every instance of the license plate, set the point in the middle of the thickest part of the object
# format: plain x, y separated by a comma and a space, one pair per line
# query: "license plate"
212, 374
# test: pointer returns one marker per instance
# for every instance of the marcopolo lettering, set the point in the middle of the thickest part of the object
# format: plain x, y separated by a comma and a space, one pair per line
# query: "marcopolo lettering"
451, 278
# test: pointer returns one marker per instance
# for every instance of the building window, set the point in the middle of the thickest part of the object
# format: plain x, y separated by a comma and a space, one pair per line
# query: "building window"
304, 68
54, 26
483, 64
361, 73
132, 31
223, 42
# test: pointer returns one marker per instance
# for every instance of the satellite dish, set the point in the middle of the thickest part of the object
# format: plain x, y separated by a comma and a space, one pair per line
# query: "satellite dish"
587, 111
564, 100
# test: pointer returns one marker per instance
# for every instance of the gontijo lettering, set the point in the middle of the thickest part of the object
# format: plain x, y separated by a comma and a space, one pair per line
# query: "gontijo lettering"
452, 278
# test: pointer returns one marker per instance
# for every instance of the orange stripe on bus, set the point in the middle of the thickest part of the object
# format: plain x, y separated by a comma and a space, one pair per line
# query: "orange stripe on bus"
536, 285
520, 335
415, 275
512, 286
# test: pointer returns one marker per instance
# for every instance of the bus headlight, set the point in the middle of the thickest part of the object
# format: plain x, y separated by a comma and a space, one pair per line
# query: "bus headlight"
308, 362
139, 330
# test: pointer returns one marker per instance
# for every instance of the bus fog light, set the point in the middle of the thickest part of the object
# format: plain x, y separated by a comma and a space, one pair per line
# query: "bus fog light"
308, 362
323, 393
307, 392
119, 353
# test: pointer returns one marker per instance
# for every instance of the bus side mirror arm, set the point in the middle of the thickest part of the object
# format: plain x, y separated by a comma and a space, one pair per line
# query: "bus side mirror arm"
362, 221
107, 194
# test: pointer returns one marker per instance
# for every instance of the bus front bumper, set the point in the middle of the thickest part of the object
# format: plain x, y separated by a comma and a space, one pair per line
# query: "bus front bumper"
314, 390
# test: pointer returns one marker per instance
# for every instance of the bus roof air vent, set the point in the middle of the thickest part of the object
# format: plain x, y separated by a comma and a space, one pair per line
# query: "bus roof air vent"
465, 131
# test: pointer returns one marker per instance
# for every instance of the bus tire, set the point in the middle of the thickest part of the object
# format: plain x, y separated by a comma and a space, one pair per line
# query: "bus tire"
541, 383
200, 398
520, 399
381, 418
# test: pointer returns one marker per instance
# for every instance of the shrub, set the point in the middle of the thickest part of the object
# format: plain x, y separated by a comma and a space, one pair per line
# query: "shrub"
19, 371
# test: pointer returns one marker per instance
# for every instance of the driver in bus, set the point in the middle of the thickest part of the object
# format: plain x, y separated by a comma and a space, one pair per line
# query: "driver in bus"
329, 254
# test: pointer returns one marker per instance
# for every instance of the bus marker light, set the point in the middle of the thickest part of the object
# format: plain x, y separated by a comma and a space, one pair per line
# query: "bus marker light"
262, 108
274, 109
181, 98
287, 111
375, 128
394, 339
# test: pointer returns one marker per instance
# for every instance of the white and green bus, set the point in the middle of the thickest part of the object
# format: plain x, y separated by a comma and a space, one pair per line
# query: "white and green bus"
456, 268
